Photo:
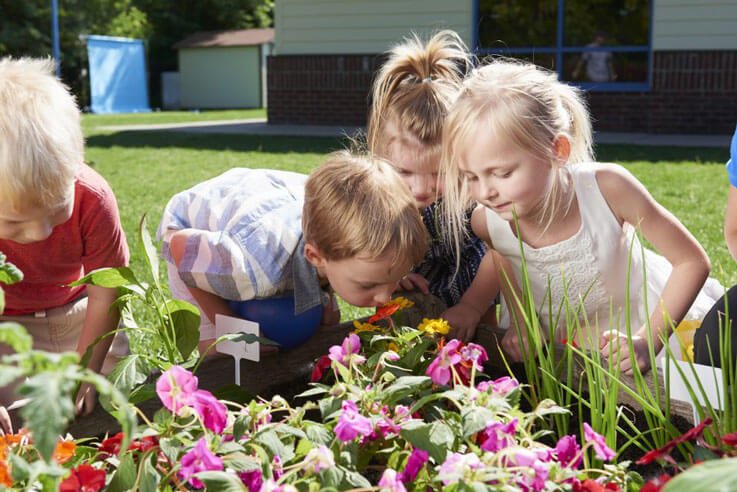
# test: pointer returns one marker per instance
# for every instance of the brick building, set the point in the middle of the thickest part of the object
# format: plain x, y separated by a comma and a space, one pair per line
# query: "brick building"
675, 61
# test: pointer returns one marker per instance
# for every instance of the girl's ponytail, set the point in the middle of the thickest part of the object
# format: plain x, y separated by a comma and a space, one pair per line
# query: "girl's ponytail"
414, 89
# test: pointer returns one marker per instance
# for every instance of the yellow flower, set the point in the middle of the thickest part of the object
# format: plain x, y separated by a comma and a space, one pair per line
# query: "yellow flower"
393, 347
400, 301
364, 327
433, 326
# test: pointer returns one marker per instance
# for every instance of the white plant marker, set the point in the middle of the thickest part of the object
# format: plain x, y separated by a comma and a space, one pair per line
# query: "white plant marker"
710, 378
239, 350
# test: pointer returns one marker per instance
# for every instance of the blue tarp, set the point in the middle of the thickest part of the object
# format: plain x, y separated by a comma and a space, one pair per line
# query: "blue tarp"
117, 75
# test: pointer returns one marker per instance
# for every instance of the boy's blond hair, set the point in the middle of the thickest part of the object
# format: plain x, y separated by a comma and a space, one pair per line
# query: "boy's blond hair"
413, 92
41, 143
357, 205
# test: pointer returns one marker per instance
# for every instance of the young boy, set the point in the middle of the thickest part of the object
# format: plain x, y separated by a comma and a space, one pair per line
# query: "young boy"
350, 227
58, 220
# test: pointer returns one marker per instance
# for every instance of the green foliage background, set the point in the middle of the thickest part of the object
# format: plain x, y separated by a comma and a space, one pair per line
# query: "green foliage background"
25, 30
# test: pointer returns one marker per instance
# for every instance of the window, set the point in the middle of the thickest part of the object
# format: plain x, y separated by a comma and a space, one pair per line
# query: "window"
596, 44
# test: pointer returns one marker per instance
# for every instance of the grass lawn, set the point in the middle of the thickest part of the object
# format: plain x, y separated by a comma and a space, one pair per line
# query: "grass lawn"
146, 168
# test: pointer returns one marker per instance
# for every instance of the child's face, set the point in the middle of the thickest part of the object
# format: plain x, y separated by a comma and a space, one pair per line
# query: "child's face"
360, 281
419, 171
503, 177
31, 224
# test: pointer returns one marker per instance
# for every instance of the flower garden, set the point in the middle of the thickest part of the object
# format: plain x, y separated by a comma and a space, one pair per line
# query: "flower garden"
391, 407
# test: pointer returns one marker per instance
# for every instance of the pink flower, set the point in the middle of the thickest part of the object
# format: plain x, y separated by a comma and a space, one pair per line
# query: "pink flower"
415, 462
538, 465
351, 423
459, 467
196, 460
212, 411
347, 351
318, 459
603, 452
390, 482
252, 479
497, 435
439, 369
175, 388
567, 450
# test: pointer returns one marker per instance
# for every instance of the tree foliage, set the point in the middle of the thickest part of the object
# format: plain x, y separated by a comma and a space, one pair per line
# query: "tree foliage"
25, 29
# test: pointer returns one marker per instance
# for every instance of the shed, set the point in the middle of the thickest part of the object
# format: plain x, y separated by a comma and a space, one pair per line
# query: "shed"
224, 69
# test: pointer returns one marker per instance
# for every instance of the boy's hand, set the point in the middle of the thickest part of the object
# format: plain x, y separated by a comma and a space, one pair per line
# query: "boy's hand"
463, 319
413, 281
613, 343
86, 399
515, 346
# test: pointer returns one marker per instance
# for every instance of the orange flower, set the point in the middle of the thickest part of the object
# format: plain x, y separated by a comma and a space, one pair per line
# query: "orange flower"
5, 475
64, 451
391, 307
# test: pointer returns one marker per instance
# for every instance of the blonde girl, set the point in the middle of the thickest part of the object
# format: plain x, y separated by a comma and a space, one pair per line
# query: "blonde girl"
410, 99
518, 142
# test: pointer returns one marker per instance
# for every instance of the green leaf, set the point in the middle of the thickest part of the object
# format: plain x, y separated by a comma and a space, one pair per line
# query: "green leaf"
475, 419
149, 476
9, 273
271, 441
142, 393
20, 470
150, 253
241, 462
717, 475
125, 476
404, 386
186, 320
318, 434
221, 481
50, 408
435, 438
112, 278
16, 336
128, 373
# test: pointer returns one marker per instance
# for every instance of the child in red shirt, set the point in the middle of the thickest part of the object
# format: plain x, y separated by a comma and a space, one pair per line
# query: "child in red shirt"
58, 220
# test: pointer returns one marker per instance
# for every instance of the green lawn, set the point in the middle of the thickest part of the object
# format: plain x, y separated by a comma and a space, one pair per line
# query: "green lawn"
146, 168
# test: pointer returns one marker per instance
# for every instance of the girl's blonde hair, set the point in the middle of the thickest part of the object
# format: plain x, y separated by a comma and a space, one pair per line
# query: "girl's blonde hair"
527, 106
358, 205
414, 90
41, 143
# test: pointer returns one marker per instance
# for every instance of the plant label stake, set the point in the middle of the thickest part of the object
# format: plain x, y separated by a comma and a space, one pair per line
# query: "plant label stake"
682, 388
225, 325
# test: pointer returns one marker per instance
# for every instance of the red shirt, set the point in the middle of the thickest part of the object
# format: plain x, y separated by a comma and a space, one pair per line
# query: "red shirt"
92, 238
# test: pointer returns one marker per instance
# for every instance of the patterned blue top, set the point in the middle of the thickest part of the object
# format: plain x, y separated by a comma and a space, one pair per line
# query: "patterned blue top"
439, 263
248, 241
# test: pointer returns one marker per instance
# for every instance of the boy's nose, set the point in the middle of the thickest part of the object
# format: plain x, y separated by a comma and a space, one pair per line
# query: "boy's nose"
383, 296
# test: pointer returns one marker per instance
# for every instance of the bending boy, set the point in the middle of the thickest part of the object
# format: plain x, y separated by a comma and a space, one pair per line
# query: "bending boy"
350, 227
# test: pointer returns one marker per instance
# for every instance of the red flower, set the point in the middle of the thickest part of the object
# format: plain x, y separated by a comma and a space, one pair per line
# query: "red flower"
664, 452
321, 365
83, 478
111, 445
656, 484
730, 439
144, 444
383, 312
590, 485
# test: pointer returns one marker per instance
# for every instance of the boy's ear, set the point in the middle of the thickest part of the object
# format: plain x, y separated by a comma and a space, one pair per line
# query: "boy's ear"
561, 149
313, 255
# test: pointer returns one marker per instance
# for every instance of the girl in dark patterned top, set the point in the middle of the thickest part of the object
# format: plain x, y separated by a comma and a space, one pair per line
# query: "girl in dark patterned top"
410, 100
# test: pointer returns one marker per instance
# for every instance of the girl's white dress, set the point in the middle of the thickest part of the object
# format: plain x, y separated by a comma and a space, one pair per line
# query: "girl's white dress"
589, 269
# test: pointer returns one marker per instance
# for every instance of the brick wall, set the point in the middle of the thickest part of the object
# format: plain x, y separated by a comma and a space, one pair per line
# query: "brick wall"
692, 92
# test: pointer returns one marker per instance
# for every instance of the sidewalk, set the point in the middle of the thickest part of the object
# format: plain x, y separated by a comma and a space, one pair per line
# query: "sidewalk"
261, 127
